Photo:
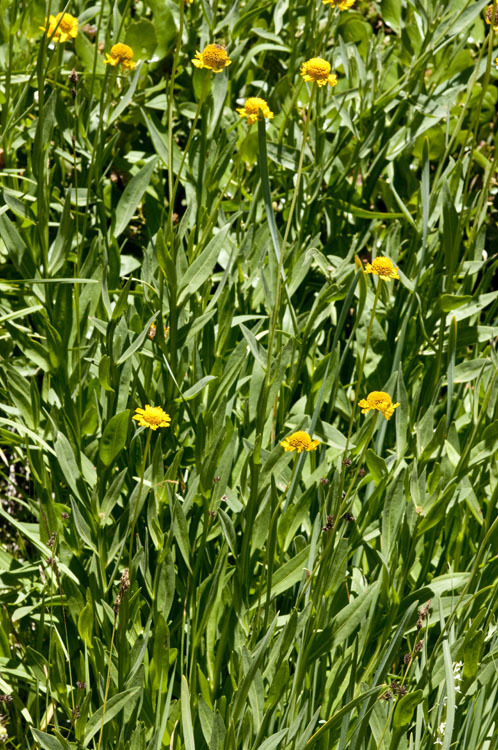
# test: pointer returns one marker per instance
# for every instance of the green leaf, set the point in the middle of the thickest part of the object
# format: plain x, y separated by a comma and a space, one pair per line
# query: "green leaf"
114, 706
470, 370
67, 462
195, 389
376, 465
272, 742
85, 624
122, 303
126, 99
289, 574
471, 656
218, 733
137, 343
164, 25
141, 37
405, 707
86, 55
188, 729
105, 373
131, 197
47, 741
202, 267
449, 302
465, 19
180, 530
114, 437
391, 13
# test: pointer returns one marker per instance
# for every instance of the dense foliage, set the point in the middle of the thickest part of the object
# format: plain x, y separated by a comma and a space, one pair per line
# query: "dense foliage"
196, 585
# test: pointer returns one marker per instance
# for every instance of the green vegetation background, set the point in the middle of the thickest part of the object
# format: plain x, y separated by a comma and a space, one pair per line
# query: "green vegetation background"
136, 198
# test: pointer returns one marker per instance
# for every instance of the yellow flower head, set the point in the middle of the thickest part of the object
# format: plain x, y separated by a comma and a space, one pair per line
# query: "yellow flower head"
151, 333
380, 401
152, 416
299, 441
383, 267
317, 71
252, 107
61, 27
490, 15
120, 53
213, 57
341, 4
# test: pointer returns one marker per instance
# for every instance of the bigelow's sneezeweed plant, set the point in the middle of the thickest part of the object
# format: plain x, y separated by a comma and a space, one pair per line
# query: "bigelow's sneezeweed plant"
248, 375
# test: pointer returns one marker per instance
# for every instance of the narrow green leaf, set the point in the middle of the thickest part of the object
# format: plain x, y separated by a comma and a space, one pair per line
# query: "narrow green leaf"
188, 729
137, 343
195, 389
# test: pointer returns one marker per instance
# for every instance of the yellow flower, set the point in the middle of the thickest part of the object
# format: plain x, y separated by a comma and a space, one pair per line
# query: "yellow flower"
152, 416
151, 333
341, 4
61, 27
299, 441
383, 267
380, 401
490, 15
120, 53
317, 71
213, 57
252, 107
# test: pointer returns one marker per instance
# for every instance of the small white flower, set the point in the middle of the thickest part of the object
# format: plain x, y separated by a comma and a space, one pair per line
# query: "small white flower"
457, 673
440, 733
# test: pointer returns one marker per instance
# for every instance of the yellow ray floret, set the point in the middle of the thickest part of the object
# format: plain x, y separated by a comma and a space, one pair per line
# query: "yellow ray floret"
152, 416
383, 267
253, 106
491, 17
61, 27
213, 57
379, 401
120, 54
299, 441
341, 4
317, 70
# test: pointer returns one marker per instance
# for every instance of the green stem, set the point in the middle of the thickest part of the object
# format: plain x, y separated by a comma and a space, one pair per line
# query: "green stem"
362, 367
221, 195
270, 550
137, 504
344, 505
77, 264
171, 184
279, 251
108, 680
173, 193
